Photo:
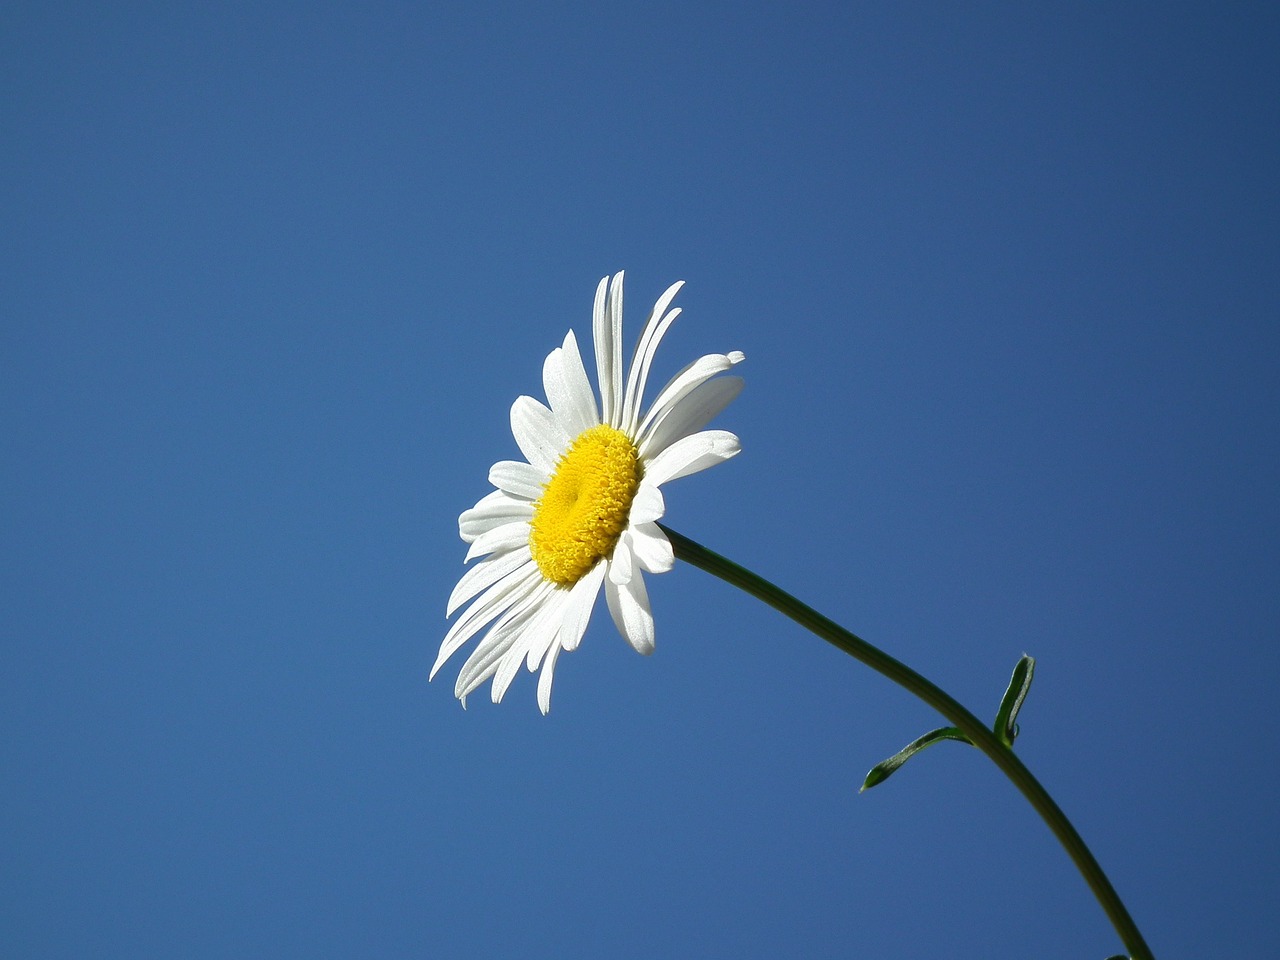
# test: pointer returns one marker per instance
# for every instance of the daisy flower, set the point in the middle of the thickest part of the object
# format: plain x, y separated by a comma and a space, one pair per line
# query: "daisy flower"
580, 512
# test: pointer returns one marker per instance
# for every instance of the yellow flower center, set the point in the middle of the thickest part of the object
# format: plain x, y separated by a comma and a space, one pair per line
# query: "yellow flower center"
584, 506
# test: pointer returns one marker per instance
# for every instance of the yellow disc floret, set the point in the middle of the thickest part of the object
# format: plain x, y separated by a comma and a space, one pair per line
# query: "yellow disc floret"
584, 506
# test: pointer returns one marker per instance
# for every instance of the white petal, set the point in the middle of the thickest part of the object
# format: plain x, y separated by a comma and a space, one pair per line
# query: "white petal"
467, 518
629, 605
679, 386
582, 602
482, 576
506, 599
655, 328
491, 497
493, 511
480, 666
608, 337
484, 660
563, 599
487, 655
648, 504
544, 680
601, 335
651, 548
507, 592
508, 536
579, 383
619, 563
540, 634
692, 454
568, 390
689, 414
538, 433
518, 478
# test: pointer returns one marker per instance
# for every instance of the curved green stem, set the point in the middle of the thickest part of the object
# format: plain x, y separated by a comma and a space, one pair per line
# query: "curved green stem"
982, 737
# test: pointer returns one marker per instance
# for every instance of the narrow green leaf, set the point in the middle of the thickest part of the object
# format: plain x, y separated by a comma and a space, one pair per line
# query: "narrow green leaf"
883, 770
1006, 727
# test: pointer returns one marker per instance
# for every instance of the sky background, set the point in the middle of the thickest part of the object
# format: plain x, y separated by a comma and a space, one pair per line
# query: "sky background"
271, 274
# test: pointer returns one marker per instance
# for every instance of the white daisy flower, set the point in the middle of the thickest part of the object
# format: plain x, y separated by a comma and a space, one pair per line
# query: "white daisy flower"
582, 512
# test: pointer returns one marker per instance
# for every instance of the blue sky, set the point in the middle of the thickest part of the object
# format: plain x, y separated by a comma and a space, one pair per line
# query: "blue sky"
272, 274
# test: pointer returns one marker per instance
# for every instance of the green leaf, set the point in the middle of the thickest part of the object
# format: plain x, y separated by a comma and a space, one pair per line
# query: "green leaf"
1006, 727
883, 770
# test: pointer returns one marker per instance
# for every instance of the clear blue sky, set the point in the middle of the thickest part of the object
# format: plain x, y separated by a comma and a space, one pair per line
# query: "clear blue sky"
1006, 276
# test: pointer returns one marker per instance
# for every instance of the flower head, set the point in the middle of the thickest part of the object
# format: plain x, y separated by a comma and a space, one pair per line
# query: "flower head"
581, 511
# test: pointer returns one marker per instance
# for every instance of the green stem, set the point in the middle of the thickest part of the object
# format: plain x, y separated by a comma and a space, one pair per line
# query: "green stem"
982, 738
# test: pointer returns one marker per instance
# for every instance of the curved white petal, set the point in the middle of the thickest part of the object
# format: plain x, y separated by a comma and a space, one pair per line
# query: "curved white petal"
679, 386
493, 511
573, 624
649, 504
533, 641
689, 414
607, 324
620, 566
601, 336
465, 519
545, 678
629, 605
579, 382
491, 497
568, 390
516, 586
651, 548
655, 328
692, 454
538, 433
574, 616
484, 659
582, 601
508, 536
518, 478
482, 576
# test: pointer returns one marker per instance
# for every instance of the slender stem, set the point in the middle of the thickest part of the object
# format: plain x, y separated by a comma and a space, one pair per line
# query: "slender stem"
982, 737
